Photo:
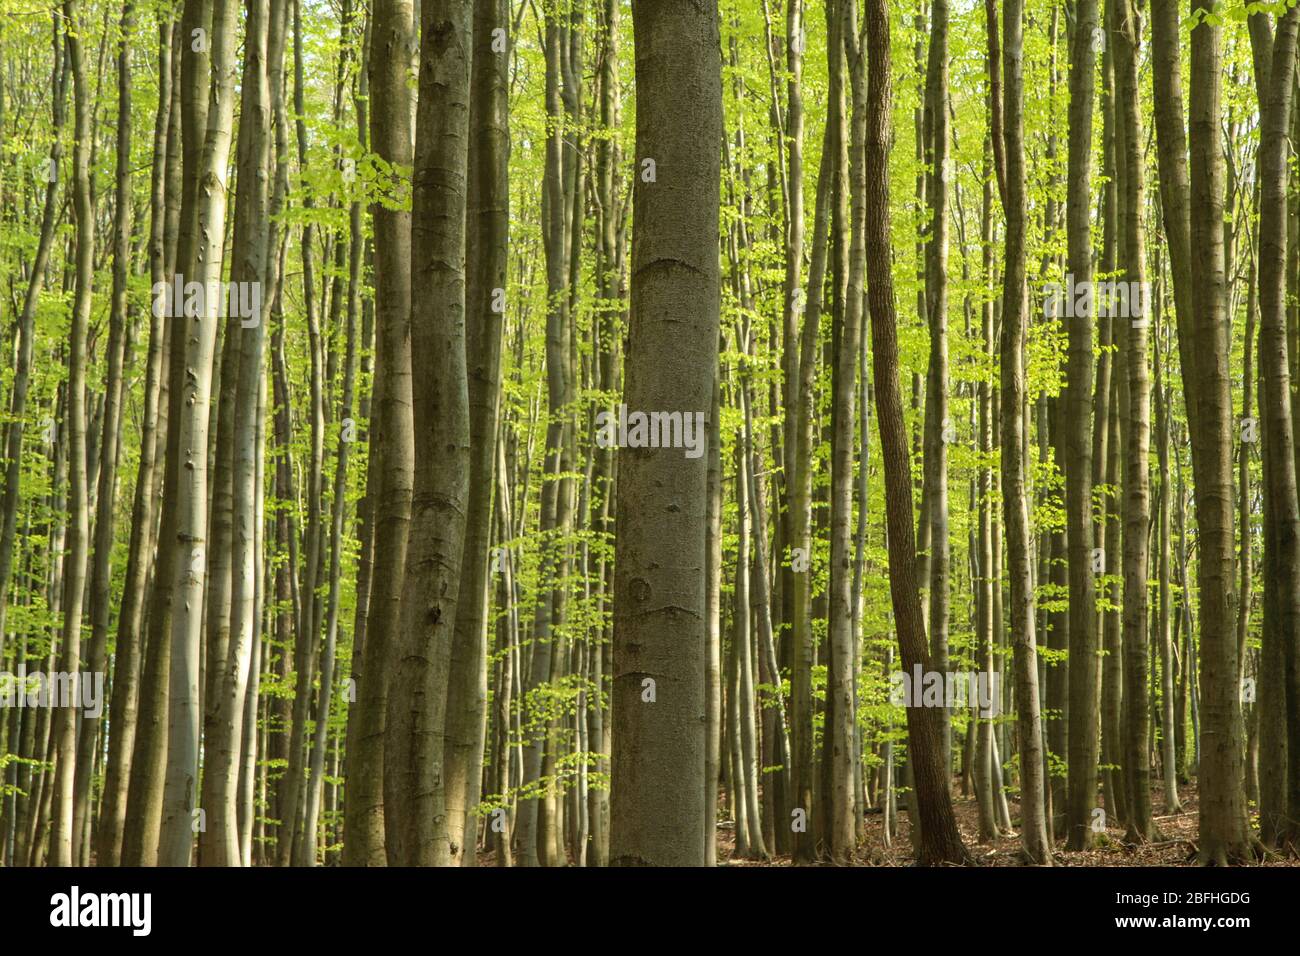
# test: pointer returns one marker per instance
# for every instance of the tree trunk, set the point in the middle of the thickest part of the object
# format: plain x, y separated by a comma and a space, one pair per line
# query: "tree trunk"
940, 842
1205, 351
1133, 337
63, 836
840, 703
106, 495
657, 812
190, 544
123, 709
1165, 621
392, 447
415, 815
1278, 824
149, 761
938, 424
307, 621
1084, 717
486, 258
1014, 499
219, 843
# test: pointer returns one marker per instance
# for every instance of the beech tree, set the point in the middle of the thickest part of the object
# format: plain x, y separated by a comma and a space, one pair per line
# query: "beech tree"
657, 794
1083, 678
1014, 432
459, 443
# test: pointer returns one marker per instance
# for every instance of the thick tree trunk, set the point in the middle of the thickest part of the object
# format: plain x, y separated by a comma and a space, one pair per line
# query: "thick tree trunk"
486, 259
657, 812
219, 843
415, 815
392, 447
190, 544
1206, 353
1278, 821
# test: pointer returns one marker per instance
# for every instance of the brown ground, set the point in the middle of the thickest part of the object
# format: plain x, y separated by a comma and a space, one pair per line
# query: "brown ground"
1176, 846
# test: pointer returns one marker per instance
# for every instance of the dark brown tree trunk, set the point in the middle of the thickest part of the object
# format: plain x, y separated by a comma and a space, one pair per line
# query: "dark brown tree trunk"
940, 842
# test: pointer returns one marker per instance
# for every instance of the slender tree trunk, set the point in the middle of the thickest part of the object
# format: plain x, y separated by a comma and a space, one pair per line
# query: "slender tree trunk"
1133, 337
292, 793
305, 844
791, 524
940, 841
610, 245
750, 499
987, 775
149, 760
1084, 717
714, 673
126, 681
1106, 464
63, 835
744, 770
106, 495
533, 835
1164, 625
841, 706
939, 425
1014, 323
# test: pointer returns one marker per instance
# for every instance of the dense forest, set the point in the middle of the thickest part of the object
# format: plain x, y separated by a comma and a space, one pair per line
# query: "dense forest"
649, 432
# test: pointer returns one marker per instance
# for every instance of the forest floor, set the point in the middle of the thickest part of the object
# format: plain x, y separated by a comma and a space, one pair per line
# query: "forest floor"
1175, 846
